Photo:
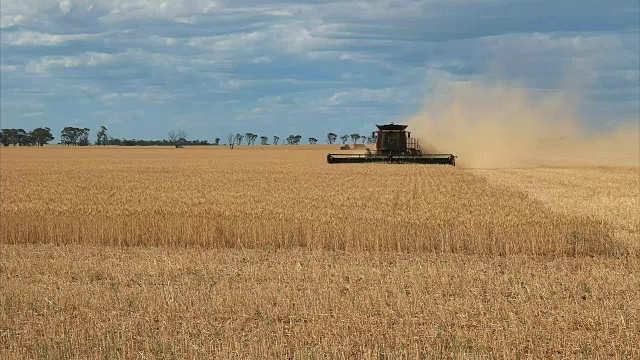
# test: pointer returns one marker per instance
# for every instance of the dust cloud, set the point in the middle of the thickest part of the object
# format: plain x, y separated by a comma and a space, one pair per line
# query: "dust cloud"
499, 125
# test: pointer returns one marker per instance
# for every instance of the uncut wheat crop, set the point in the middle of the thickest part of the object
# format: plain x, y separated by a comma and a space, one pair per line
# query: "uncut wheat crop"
267, 199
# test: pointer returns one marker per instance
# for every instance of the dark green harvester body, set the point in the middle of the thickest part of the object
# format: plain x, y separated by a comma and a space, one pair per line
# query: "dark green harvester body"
393, 145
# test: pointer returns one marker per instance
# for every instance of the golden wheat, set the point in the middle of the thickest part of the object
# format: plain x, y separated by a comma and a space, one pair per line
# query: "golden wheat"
608, 194
362, 261
79, 302
274, 199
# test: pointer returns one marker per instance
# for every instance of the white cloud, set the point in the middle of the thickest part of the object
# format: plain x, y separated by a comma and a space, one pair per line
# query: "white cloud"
335, 99
229, 42
38, 38
111, 11
235, 84
291, 38
150, 95
45, 64
168, 41
349, 76
25, 106
275, 100
262, 60
189, 11
298, 38
383, 96
34, 114
65, 6
8, 68
9, 20
281, 12
120, 10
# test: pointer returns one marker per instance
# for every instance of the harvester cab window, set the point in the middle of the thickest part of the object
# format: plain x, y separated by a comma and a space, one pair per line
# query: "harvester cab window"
391, 140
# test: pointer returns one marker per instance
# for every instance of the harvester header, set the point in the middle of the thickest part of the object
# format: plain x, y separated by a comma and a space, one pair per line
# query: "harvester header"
394, 145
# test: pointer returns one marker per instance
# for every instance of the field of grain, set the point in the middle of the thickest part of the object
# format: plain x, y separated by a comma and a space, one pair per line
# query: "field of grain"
270, 252
276, 199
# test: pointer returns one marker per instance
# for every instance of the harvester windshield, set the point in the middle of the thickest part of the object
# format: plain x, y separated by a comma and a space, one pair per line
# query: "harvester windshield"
391, 140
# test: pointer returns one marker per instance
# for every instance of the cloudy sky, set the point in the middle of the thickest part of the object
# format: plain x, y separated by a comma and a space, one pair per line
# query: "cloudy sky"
142, 67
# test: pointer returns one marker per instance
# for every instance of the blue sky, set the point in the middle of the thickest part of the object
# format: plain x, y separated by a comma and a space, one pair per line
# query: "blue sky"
143, 67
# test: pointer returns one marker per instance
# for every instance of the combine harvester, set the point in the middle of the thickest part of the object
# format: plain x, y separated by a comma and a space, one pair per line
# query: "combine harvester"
393, 145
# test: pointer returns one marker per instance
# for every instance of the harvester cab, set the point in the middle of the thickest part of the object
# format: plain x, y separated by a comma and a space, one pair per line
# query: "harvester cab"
394, 145
394, 140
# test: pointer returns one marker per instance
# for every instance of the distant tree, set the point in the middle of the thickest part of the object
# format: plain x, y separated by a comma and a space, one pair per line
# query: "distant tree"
21, 137
74, 136
294, 139
30, 140
363, 138
275, 140
264, 140
67, 136
344, 138
177, 138
41, 136
163, 142
83, 137
172, 135
249, 137
9, 137
231, 139
331, 138
12, 135
355, 137
239, 139
101, 136
114, 141
313, 141
253, 139
216, 141
64, 137
182, 137
16, 137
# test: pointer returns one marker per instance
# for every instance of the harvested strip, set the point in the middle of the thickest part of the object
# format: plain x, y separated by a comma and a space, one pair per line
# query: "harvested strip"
98, 302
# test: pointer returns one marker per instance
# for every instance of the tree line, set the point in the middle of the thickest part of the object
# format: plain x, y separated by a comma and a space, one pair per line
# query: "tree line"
332, 138
35, 137
75, 136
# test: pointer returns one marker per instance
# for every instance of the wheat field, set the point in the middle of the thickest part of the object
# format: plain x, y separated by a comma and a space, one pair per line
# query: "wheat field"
276, 199
269, 252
